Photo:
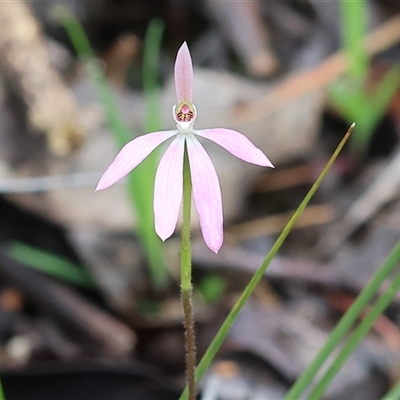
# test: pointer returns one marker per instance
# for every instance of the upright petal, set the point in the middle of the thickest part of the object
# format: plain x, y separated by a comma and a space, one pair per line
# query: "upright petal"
183, 75
168, 189
206, 194
237, 144
131, 155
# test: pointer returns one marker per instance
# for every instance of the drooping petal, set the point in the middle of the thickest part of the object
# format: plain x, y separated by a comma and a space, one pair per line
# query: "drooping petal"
168, 189
183, 75
206, 193
237, 144
131, 155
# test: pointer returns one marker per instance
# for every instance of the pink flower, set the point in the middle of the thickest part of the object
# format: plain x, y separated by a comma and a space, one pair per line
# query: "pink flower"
168, 187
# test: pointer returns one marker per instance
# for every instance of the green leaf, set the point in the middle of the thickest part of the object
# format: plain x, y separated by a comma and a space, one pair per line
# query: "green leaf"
212, 288
51, 264
140, 182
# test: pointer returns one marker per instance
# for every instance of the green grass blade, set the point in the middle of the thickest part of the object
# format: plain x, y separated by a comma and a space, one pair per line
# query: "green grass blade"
87, 56
394, 393
368, 109
354, 27
373, 107
345, 324
2, 396
229, 321
147, 169
348, 98
384, 93
51, 264
349, 95
151, 58
141, 181
381, 304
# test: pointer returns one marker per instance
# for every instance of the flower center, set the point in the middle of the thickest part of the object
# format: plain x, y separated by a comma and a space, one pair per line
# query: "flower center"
185, 112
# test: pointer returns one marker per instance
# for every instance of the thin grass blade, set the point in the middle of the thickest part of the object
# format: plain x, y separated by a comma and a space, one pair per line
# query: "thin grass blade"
141, 181
345, 324
51, 264
394, 393
363, 328
229, 321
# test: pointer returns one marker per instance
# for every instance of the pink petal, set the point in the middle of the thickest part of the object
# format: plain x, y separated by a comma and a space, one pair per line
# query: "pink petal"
206, 193
168, 189
237, 144
131, 155
183, 75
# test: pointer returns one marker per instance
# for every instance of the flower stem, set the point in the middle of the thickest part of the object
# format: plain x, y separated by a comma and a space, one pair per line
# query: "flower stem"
186, 280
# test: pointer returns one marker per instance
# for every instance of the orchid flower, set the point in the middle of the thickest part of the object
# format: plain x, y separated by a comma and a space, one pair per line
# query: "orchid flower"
169, 177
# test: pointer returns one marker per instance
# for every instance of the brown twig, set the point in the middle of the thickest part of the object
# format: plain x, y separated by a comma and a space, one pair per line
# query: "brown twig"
312, 215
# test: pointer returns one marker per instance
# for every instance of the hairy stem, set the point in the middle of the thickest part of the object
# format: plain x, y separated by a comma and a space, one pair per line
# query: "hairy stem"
186, 281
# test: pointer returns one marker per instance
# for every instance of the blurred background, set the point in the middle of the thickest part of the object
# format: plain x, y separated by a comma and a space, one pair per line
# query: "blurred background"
89, 296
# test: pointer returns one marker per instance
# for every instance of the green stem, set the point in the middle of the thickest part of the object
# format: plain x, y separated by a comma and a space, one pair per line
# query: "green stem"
186, 280
344, 324
230, 319
381, 304
186, 247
